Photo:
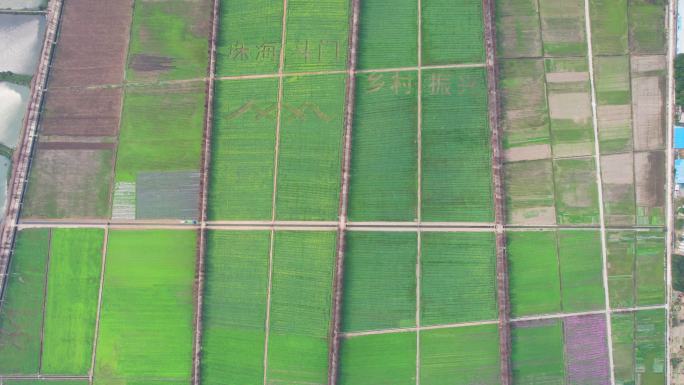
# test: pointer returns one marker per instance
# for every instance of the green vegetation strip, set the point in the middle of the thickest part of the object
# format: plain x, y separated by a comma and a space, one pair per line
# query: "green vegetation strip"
234, 311
71, 303
385, 165
647, 26
537, 352
460, 356
379, 359
301, 306
310, 155
379, 281
453, 32
457, 169
458, 278
146, 324
243, 146
650, 265
21, 315
581, 270
388, 36
609, 26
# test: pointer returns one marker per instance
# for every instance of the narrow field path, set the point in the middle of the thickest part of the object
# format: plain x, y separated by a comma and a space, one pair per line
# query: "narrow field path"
599, 185
91, 372
338, 289
671, 48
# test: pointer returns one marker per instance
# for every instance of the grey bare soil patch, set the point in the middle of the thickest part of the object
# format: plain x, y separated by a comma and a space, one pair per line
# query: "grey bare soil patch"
167, 195
649, 169
617, 171
529, 193
648, 107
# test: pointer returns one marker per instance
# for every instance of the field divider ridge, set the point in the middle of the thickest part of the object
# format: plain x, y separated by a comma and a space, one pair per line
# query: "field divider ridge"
340, 247
22, 158
105, 241
503, 300
203, 191
599, 185
670, 30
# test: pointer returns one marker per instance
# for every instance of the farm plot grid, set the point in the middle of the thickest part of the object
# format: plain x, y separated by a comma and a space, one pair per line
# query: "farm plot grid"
419, 300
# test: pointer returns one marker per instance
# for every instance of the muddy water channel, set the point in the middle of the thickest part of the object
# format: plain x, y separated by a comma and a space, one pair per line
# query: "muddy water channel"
22, 4
21, 39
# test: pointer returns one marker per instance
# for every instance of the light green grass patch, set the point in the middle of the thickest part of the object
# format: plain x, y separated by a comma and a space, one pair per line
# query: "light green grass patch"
457, 181
533, 269
317, 35
161, 130
650, 348
383, 359
243, 146
609, 27
301, 297
650, 265
537, 353
460, 356
71, 303
453, 32
612, 80
518, 31
622, 331
530, 192
234, 307
562, 24
524, 106
146, 321
576, 192
379, 281
388, 36
581, 270
310, 148
458, 278
169, 40
21, 314
384, 164
647, 26
249, 39
621, 250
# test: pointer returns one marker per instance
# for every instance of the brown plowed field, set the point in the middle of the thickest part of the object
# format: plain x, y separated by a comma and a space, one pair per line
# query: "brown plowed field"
84, 112
92, 43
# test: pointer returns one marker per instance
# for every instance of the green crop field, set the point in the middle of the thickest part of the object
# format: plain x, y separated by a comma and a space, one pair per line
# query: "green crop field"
530, 192
234, 312
301, 298
243, 145
379, 281
647, 26
169, 40
457, 169
609, 26
21, 315
378, 359
533, 269
612, 80
581, 270
650, 263
524, 107
384, 44
460, 356
384, 164
71, 302
249, 38
46, 382
161, 130
621, 251
537, 353
458, 278
562, 24
569, 98
576, 192
639, 346
517, 27
147, 308
317, 35
453, 32
310, 148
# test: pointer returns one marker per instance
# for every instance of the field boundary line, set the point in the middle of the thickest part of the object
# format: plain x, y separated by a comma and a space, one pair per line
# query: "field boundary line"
419, 184
276, 156
340, 247
16, 185
45, 293
503, 301
203, 192
105, 242
41, 377
671, 31
550, 316
599, 186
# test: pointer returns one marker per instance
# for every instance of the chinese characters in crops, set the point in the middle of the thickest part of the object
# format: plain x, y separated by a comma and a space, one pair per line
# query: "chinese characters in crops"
310, 51
257, 111
403, 83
